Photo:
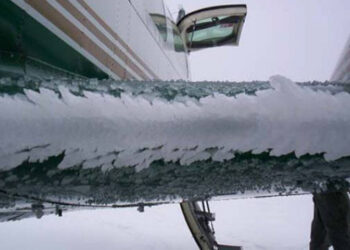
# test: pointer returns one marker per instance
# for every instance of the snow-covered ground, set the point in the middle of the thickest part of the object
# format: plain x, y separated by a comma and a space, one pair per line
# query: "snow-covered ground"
270, 223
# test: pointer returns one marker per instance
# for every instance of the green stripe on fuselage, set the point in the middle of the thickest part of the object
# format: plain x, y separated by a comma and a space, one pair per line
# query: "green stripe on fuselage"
23, 38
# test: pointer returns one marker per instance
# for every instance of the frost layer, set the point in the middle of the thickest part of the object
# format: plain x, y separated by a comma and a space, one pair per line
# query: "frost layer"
110, 141
103, 130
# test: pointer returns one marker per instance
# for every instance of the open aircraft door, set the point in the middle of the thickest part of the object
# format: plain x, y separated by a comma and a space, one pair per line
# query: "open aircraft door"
213, 27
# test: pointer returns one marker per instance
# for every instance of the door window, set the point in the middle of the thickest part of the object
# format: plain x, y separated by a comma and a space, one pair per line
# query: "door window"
211, 27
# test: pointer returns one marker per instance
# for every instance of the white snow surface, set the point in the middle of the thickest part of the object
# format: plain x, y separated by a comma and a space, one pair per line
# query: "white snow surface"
102, 130
281, 223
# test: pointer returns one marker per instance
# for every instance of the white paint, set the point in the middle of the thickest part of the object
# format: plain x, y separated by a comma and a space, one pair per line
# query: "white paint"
110, 37
99, 43
37, 16
126, 22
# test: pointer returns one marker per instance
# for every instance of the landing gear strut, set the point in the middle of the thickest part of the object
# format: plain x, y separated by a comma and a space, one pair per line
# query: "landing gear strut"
199, 220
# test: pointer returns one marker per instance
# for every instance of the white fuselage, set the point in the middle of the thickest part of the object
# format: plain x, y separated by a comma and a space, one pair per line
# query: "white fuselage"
120, 37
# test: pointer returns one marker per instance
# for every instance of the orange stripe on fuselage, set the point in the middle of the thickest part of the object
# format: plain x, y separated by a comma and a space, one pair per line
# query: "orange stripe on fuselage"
93, 29
55, 17
116, 37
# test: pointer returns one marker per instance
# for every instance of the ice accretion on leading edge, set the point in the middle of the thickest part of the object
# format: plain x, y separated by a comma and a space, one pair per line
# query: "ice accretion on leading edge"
100, 129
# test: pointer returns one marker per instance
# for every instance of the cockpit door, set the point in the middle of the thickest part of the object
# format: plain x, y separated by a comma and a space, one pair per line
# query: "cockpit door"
212, 27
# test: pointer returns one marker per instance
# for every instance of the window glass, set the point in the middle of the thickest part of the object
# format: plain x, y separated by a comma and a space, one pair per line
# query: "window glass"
168, 31
161, 24
178, 42
213, 31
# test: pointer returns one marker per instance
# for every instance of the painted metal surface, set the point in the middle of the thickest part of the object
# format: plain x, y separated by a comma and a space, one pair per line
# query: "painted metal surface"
342, 70
24, 40
119, 38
